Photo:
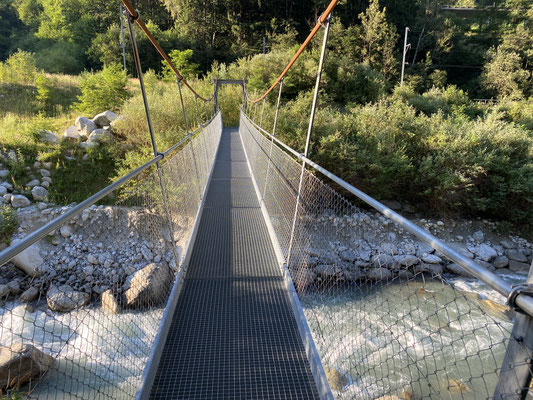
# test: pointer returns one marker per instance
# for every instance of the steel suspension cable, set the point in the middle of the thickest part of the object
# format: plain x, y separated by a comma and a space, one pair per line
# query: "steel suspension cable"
323, 18
135, 18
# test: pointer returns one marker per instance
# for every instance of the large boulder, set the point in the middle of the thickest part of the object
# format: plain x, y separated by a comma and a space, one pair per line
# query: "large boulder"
148, 286
101, 136
29, 260
377, 274
486, 253
71, 135
85, 126
63, 298
110, 303
22, 362
48, 137
105, 118
39, 193
19, 201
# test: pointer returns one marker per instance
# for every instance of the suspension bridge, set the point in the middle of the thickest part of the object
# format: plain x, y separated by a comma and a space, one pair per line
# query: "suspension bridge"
279, 291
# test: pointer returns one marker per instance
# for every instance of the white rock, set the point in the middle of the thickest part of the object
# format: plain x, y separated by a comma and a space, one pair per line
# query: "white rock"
3, 190
7, 185
29, 260
39, 193
105, 118
406, 260
101, 136
64, 298
4, 291
486, 253
45, 184
4, 173
44, 172
66, 231
33, 183
71, 135
478, 235
85, 126
110, 303
148, 286
29, 295
378, 274
48, 137
92, 259
19, 201
89, 145
517, 255
20, 363
431, 259
47, 179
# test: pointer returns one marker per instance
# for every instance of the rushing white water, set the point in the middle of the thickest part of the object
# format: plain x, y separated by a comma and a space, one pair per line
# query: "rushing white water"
97, 353
422, 339
384, 339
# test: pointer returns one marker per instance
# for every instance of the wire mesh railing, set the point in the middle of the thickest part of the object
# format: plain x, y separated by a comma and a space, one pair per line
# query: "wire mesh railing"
83, 326
388, 320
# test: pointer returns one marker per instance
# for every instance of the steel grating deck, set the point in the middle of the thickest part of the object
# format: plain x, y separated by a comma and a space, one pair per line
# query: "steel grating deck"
233, 334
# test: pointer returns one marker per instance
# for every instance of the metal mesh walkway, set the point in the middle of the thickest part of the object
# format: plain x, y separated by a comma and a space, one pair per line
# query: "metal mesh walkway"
233, 334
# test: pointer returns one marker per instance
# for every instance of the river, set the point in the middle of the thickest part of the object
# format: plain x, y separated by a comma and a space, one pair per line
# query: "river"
383, 339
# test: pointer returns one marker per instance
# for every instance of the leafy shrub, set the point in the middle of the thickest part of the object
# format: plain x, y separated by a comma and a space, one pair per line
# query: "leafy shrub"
20, 67
8, 221
103, 90
60, 58
182, 61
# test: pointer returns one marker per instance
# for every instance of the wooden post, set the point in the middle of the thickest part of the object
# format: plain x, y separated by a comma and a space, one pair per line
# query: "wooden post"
516, 371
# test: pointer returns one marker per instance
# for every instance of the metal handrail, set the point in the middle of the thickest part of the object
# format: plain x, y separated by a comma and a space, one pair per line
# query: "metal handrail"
7, 254
523, 301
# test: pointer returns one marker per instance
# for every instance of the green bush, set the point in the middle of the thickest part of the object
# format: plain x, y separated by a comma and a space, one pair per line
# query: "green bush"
103, 90
60, 58
20, 67
182, 61
8, 222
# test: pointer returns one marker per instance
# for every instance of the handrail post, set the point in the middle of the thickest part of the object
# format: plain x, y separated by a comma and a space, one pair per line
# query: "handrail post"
517, 366
273, 134
151, 130
309, 130
198, 112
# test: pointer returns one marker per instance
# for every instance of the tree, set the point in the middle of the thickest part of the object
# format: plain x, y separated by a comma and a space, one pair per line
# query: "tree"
378, 40
182, 61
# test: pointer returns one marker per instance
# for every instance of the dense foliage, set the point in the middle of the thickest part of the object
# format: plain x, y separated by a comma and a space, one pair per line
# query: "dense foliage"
428, 142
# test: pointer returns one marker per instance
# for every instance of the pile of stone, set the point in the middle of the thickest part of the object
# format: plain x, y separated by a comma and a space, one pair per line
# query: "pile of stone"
72, 267
38, 185
370, 247
90, 133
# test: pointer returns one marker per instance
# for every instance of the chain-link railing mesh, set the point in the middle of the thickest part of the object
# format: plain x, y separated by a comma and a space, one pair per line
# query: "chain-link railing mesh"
83, 326
386, 317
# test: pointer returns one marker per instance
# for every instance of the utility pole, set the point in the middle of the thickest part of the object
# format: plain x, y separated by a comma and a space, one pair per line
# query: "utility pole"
405, 48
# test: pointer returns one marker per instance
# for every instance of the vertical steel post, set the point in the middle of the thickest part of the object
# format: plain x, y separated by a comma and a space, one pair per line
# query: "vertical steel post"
183, 106
309, 130
517, 366
151, 130
404, 54
272, 140
198, 112
122, 35
262, 112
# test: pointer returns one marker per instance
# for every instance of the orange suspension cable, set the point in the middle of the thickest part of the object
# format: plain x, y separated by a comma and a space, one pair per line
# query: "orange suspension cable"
135, 17
321, 20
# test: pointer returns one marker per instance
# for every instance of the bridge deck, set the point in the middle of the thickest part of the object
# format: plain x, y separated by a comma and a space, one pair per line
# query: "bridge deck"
233, 334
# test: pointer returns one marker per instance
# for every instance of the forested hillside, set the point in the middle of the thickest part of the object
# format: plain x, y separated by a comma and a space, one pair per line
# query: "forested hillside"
456, 138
